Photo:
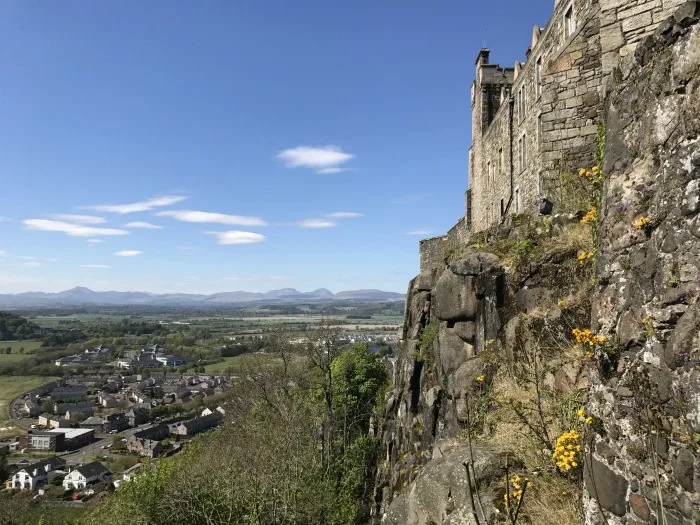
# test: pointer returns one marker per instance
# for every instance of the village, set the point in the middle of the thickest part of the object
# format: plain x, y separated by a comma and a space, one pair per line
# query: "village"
96, 429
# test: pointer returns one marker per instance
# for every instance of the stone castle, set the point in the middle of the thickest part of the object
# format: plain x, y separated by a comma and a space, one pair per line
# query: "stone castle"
538, 119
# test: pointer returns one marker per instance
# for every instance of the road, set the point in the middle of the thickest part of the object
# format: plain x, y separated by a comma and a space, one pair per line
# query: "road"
84, 454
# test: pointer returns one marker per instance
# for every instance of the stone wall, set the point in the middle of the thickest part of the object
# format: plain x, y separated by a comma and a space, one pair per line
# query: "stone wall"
624, 23
644, 464
557, 127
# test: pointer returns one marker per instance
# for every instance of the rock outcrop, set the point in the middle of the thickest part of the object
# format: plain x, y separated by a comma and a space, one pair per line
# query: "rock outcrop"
644, 459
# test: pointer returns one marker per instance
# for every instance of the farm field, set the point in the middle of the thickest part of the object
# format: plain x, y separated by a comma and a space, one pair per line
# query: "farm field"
245, 360
16, 345
10, 388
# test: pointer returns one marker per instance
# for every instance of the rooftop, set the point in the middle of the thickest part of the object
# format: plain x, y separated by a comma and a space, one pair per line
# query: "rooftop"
71, 432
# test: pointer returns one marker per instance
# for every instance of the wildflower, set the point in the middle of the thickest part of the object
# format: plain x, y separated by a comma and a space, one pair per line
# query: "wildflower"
581, 412
583, 257
642, 223
561, 303
590, 216
567, 450
481, 379
596, 169
585, 336
588, 420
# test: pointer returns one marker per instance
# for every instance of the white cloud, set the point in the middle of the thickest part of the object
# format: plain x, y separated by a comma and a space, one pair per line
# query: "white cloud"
79, 219
147, 205
237, 237
3, 253
212, 218
317, 223
52, 259
32, 264
344, 215
3, 219
94, 241
26, 257
420, 232
74, 230
94, 266
143, 225
128, 253
322, 159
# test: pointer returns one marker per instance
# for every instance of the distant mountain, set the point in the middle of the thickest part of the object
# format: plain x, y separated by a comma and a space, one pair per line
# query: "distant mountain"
82, 295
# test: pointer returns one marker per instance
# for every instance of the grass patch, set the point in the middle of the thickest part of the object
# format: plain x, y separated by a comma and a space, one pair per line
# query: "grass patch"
10, 388
242, 361
29, 346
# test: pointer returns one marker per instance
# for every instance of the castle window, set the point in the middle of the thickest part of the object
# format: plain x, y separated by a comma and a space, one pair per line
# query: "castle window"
539, 128
521, 103
500, 161
569, 22
538, 76
489, 175
522, 152
503, 207
517, 200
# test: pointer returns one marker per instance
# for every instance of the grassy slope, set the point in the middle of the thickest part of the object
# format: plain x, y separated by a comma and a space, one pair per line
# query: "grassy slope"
11, 387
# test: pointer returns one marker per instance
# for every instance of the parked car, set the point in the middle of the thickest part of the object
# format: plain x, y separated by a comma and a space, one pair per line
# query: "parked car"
23, 462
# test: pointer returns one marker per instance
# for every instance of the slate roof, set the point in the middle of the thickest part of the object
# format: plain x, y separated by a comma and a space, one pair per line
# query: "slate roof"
90, 470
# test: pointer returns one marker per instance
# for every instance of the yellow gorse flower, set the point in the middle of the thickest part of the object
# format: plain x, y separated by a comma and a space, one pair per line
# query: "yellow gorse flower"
567, 450
586, 337
642, 223
590, 216
584, 257
481, 379
593, 175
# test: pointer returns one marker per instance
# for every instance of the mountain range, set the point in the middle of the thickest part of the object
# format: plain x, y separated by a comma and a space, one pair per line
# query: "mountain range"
82, 295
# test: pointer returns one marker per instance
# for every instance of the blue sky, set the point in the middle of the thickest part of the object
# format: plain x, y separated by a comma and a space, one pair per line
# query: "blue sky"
274, 144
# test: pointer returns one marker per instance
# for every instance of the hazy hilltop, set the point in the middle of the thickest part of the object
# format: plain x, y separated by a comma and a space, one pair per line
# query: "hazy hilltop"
82, 295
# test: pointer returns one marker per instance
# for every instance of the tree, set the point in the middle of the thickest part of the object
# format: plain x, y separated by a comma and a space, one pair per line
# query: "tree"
49, 406
21, 349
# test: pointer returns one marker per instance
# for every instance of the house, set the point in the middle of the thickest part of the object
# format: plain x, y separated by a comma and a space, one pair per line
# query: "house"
146, 447
85, 475
31, 408
106, 400
127, 475
208, 411
95, 423
198, 424
69, 392
156, 433
42, 440
37, 474
86, 408
47, 420
137, 416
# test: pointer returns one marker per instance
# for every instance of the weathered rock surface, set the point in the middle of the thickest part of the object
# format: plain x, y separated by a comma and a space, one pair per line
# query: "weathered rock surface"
647, 392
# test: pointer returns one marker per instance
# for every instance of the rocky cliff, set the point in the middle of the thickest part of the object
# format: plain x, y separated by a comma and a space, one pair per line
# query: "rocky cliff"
563, 353
643, 466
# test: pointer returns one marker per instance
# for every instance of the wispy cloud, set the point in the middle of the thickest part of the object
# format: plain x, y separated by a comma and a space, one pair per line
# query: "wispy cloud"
74, 230
212, 218
128, 253
188, 248
420, 232
142, 225
3, 253
94, 266
344, 215
79, 219
317, 223
3, 219
92, 242
147, 205
237, 237
321, 159
32, 264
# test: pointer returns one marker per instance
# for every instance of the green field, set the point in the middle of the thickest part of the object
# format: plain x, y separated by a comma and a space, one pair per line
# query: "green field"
10, 388
242, 361
30, 348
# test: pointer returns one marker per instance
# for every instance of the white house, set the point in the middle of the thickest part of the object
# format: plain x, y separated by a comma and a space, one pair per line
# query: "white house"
86, 474
37, 474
